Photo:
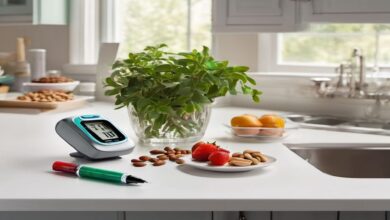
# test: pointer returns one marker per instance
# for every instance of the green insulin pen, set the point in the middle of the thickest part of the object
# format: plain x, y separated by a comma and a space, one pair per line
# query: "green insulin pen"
95, 173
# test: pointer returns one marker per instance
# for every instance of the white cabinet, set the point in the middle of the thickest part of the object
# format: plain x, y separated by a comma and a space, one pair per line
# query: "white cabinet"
293, 15
304, 215
34, 11
255, 15
168, 216
362, 216
60, 216
366, 11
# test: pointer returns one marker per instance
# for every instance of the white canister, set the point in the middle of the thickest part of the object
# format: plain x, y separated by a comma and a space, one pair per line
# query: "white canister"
37, 60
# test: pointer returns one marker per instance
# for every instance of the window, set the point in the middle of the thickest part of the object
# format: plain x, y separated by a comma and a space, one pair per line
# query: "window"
181, 24
324, 46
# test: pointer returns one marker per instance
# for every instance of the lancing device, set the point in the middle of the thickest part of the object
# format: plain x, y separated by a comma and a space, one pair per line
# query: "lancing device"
95, 173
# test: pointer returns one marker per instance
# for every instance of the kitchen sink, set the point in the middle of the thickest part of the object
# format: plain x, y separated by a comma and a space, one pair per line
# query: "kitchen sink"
347, 160
326, 121
341, 124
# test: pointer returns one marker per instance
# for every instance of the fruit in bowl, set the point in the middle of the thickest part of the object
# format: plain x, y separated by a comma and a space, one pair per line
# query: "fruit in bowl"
267, 125
245, 124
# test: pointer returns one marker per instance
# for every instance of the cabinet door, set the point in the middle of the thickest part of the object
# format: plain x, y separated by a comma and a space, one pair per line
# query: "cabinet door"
21, 7
60, 216
362, 216
347, 11
255, 15
304, 215
168, 215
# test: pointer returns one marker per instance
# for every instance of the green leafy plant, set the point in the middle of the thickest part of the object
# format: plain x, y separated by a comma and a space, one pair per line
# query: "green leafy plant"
165, 88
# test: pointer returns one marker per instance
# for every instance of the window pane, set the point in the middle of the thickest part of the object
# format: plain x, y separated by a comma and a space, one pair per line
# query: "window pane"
330, 44
200, 23
151, 22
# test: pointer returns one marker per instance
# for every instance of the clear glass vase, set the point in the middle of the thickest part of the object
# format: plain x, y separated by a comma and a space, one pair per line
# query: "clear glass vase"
176, 130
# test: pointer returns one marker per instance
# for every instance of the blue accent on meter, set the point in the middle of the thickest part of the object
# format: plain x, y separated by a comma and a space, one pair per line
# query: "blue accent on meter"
89, 116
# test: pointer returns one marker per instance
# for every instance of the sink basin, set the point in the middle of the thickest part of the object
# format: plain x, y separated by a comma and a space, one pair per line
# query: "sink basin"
326, 121
347, 160
341, 124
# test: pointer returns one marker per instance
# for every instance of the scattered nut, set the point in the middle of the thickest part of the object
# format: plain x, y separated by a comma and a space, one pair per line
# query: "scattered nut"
163, 157
167, 148
144, 158
172, 158
159, 163
180, 161
155, 152
153, 160
139, 164
135, 160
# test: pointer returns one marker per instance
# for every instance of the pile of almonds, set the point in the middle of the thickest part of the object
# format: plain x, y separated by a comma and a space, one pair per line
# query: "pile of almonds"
247, 158
160, 156
53, 79
46, 96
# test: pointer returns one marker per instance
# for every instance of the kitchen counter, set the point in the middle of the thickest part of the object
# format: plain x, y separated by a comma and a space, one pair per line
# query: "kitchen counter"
29, 145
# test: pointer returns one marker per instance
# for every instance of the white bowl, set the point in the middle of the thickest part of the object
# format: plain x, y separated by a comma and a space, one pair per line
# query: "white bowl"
66, 86
264, 132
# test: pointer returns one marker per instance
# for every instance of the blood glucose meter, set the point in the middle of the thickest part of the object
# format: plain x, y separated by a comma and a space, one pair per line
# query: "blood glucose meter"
93, 137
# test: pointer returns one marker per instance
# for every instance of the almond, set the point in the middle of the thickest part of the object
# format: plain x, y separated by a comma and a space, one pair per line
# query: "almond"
144, 158
240, 163
139, 164
179, 161
159, 163
155, 152
263, 158
135, 160
162, 157
153, 160
167, 148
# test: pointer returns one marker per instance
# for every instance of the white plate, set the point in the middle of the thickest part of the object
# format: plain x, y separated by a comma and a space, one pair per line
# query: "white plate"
227, 168
66, 86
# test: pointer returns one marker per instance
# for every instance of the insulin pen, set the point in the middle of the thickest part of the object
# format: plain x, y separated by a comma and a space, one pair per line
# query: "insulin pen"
95, 173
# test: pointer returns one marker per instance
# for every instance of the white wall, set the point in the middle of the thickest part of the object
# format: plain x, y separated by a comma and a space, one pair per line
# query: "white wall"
238, 49
53, 38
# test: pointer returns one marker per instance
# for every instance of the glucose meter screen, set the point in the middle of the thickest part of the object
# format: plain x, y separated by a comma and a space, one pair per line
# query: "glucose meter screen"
103, 131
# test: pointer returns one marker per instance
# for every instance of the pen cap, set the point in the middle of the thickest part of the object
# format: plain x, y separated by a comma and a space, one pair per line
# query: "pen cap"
65, 167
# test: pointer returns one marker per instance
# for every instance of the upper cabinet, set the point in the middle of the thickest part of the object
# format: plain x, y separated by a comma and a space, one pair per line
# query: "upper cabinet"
293, 15
347, 11
34, 11
254, 15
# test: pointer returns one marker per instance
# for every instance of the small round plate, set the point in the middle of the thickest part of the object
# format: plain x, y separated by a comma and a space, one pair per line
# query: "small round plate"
227, 168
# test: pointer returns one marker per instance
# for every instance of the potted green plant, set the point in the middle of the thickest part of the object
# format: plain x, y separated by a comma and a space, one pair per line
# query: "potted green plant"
168, 95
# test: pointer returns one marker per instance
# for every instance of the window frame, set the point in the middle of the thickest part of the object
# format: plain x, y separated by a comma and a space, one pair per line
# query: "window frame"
269, 47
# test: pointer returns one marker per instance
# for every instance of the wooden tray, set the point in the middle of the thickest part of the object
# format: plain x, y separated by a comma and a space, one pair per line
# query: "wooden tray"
12, 102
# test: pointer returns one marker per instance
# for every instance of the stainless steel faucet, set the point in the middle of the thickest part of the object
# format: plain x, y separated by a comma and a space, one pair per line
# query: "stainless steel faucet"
358, 67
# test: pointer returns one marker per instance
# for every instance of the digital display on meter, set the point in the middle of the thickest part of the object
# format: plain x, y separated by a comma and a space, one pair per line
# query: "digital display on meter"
103, 131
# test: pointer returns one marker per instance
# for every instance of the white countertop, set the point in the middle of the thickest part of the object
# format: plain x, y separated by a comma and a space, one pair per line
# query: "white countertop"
29, 145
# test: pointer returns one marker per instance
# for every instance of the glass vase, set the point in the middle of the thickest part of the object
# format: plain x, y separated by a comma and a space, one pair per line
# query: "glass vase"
177, 129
